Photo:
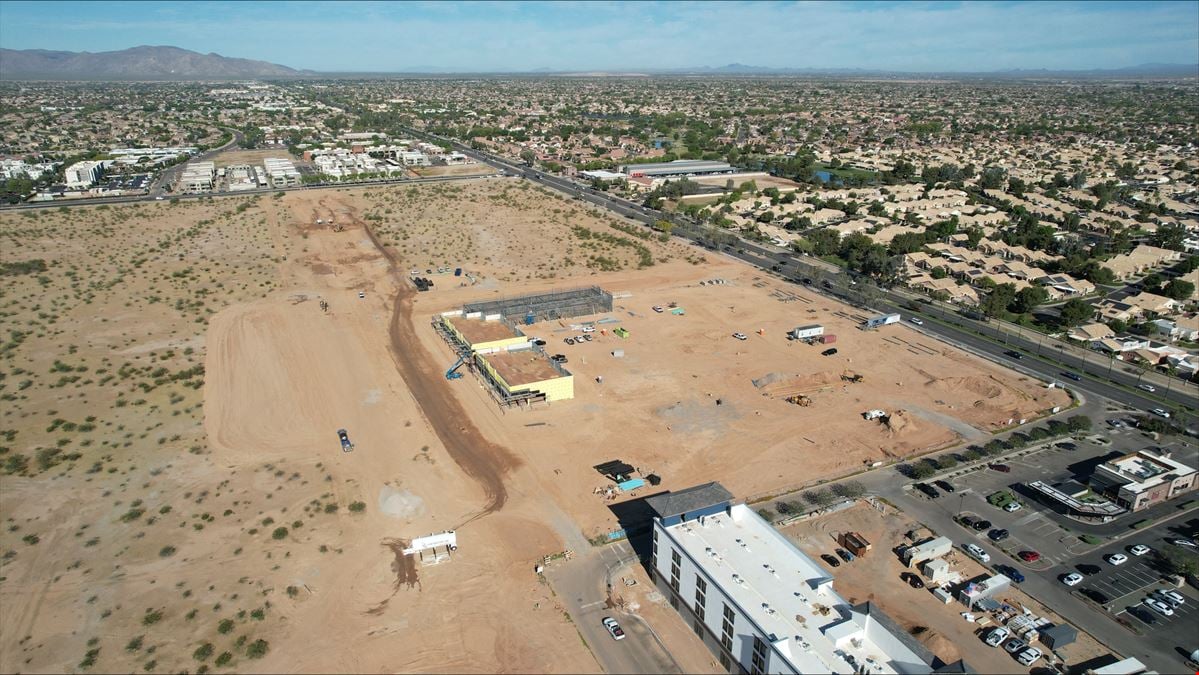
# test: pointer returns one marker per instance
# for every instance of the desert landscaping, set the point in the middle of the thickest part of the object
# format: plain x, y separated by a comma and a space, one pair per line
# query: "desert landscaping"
174, 375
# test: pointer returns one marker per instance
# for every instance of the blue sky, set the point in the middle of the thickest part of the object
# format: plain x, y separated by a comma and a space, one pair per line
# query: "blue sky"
514, 36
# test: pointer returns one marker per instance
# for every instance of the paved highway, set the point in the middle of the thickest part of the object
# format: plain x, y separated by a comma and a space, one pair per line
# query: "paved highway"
982, 338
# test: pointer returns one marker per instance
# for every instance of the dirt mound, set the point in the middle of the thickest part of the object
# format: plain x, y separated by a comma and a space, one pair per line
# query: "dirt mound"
975, 384
777, 385
400, 503
939, 645
898, 422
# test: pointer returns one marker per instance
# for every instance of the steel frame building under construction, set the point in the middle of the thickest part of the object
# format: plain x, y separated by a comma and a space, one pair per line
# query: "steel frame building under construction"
545, 306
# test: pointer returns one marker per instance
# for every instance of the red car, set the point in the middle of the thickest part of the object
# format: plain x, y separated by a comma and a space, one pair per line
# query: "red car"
1029, 556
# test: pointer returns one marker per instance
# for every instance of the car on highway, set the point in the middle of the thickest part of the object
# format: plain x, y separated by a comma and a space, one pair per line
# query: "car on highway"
613, 628
944, 485
1028, 656
1072, 579
1012, 507
1139, 549
829, 352
1015, 646
1147, 387
740, 336
998, 535
916, 321
975, 551
1014, 354
997, 636
1029, 556
1010, 572
830, 559
1161, 412
1116, 558
1073, 376
1158, 606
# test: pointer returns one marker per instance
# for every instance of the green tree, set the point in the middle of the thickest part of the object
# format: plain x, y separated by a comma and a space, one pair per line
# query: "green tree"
1076, 312
997, 301
1178, 289
1028, 298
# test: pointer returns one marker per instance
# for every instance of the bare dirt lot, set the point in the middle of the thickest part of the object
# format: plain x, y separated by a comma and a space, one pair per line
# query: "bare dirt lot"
691, 403
174, 491
454, 170
875, 577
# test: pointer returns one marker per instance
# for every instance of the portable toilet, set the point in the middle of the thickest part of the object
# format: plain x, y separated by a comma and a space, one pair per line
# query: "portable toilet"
529, 318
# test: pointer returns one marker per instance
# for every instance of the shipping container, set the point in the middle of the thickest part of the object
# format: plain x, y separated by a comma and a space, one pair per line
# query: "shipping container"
828, 339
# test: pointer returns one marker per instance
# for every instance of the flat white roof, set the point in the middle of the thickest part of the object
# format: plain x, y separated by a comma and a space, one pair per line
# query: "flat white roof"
785, 593
1145, 470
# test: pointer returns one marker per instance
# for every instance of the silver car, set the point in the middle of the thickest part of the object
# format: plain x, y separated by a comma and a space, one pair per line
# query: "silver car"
1029, 656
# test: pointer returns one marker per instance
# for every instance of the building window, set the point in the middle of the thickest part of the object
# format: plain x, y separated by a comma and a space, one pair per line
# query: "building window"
726, 629
698, 627
699, 609
757, 664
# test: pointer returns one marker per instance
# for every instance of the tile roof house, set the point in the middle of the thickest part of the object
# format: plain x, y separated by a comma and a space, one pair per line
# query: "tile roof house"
1090, 331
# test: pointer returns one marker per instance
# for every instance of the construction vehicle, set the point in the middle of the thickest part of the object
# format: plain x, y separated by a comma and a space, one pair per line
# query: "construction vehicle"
799, 400
850, 376
452, 373
874, 414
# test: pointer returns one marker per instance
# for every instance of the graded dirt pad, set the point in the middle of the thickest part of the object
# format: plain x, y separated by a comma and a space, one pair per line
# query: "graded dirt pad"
201, 480
875, 577
690, 403
454, 170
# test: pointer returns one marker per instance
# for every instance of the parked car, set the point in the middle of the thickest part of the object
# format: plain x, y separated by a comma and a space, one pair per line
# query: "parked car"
1010, 572
1015, 646
740, 336
538, 341
997, 636
613, 628
1095, 596
1001, 468
998, 535
944, 485
928, 490
829, 352
975, 551
1088, 570
1012, 507
1028, 656
361, 295
658, 309
912, 580
583, 337
588, 329
1143, 614
1116, 558
844, 555
569, 341
1189, 543
1029, 556
1158, 606
1160, 412
1147, 387
1172, 598
558, 358
1072, 579
831, 560
1139, 549
980, 525
1117, 424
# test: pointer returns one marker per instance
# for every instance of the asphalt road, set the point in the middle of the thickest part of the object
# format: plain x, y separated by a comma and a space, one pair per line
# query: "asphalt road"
582, 585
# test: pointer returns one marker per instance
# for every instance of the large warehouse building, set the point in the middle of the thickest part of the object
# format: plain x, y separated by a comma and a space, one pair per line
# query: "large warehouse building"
758, 602
677, 168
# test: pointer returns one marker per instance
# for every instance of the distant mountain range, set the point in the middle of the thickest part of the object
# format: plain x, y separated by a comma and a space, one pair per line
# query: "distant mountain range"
138, 63
173, 63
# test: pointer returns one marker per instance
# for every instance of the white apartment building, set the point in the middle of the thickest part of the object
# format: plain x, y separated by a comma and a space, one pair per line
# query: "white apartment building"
84, 174
281, 172
758, 602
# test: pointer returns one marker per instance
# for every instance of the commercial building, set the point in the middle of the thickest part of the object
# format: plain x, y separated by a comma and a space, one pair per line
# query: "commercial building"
677, 168
84, 174
1141, 479
197, 177
927, 550
978, 590
758, 602
281, 172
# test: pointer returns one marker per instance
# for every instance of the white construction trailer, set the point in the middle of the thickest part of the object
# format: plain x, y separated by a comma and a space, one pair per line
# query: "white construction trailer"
806, 332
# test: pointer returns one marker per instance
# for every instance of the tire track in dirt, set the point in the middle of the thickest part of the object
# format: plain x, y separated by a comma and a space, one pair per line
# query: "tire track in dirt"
485, 462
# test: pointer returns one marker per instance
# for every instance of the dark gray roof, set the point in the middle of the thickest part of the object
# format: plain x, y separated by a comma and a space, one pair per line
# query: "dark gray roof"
689, 499
1060, 634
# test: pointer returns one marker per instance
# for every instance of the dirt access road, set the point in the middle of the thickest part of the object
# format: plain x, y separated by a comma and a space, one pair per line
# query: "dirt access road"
482, 460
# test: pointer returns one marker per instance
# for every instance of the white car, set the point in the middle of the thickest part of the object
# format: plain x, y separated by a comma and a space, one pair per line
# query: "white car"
1171, 598
1160, 413
658, 309
975, 551
997, 636
1146, 387
1072, 579
916, 321
361, 295
613, 628
740, 336
1139, 549
1158, 606
1116, 558
1012, 507
588, 329
1029, 656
